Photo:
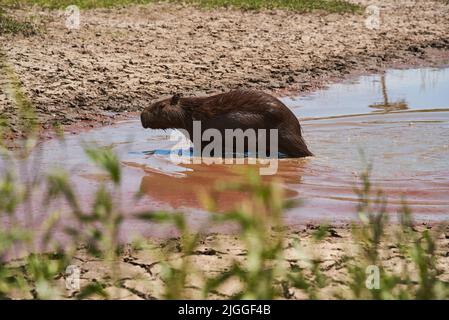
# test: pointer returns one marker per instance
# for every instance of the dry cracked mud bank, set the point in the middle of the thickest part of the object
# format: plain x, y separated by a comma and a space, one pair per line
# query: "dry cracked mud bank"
139, 273
122, 59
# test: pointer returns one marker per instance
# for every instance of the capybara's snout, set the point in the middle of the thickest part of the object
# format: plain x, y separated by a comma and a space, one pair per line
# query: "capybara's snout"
144, 119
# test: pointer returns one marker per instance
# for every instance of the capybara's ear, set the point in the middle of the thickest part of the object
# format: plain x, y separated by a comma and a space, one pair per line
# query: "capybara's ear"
175, 99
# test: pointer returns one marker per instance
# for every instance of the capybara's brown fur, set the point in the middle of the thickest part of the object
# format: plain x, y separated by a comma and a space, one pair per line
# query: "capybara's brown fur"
232, 110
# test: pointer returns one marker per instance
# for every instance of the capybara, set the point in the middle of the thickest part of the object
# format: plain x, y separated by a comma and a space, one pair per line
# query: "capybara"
240, 109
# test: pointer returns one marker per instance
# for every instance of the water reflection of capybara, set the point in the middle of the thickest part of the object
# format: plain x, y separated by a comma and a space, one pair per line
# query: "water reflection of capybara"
183, 191
233, 110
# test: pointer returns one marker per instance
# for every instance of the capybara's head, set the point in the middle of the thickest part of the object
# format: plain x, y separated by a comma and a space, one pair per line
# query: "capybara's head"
164, 114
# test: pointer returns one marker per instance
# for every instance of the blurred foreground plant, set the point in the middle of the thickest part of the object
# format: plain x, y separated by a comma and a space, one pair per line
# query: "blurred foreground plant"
418, 275
40, 257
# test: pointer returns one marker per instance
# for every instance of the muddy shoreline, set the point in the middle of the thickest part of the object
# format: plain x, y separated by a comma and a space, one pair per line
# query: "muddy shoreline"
140, 274
120, 60
433, 58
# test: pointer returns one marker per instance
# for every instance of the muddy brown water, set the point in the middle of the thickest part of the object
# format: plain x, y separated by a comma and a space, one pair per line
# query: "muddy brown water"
399, 119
